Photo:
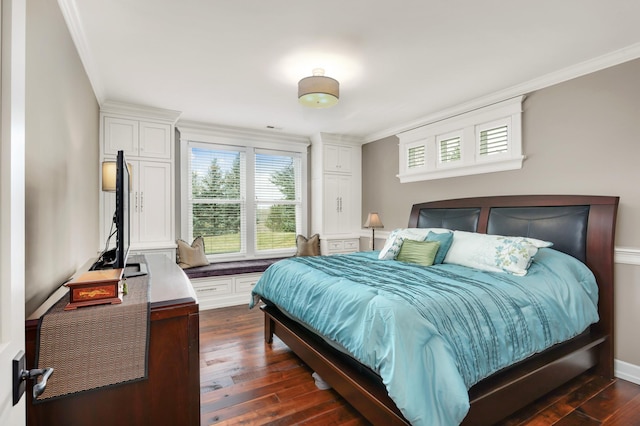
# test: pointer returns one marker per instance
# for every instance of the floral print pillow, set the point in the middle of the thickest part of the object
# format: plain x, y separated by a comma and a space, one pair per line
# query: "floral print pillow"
494, 253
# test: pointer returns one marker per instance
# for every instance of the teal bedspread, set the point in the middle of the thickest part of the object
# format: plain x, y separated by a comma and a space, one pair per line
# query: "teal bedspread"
433, 332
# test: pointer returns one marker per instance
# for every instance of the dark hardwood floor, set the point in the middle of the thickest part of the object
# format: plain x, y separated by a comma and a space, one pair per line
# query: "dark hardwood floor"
245, 381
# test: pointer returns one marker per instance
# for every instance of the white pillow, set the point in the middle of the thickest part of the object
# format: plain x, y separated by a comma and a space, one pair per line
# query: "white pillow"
394, 241
494, 253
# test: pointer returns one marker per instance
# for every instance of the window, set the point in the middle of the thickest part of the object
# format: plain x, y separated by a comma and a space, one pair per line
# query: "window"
494, 141
416, 156
484, 140
216, 201
278, 200
246, 201
449, 149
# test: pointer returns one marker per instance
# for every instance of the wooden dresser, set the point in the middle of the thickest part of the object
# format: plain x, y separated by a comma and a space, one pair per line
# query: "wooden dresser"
171, 393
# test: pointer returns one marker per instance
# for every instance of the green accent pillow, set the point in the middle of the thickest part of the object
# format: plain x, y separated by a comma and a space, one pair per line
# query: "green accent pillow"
445, 239
420, 252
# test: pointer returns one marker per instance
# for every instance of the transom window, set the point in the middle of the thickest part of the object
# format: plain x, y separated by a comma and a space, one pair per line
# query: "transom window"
450, 149
484, 140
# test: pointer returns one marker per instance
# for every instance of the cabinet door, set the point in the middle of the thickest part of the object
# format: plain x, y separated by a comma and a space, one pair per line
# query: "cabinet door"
337, 204
121, 134
155, 140
337, 158
331, 204
346, 201
153, 202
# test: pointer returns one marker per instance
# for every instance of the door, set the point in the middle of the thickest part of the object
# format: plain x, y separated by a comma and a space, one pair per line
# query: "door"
12, 199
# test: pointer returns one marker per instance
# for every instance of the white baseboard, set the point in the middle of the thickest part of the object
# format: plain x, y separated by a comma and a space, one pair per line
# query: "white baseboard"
625, 371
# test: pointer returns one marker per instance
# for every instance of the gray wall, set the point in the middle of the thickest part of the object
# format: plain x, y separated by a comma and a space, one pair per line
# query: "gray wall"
61, 156
580, 137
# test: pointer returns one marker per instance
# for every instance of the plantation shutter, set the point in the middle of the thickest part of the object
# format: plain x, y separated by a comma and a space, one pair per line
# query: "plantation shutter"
494, 141
450, 150
415, 157
278, 206
217, 198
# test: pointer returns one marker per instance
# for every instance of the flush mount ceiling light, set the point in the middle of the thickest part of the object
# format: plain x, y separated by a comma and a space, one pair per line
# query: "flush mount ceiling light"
318, 91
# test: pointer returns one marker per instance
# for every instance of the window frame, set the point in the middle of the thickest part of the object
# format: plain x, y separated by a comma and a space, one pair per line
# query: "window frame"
215, 137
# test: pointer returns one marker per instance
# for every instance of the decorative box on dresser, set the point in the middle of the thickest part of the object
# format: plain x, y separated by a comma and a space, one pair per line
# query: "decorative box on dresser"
336, 192
147, 137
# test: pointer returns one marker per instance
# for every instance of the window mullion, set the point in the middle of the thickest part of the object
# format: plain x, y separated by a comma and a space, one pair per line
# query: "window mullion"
250, 204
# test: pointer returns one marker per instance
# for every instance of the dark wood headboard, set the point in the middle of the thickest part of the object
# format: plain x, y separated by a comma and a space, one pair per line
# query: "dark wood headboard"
582, 226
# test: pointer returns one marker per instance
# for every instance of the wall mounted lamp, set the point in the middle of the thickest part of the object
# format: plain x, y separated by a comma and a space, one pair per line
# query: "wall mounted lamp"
109, 176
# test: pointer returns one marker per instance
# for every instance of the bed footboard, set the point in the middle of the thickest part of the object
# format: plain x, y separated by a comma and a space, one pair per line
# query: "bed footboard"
363, 390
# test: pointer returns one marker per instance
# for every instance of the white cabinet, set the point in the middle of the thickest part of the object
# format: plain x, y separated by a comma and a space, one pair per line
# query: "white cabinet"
338, 200
336, 192
337, 158
226, 290
137, 138
151, 215
150, 206
335, 246
146, 136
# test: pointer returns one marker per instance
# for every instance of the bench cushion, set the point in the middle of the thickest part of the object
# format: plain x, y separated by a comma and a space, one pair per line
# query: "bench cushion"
231, 268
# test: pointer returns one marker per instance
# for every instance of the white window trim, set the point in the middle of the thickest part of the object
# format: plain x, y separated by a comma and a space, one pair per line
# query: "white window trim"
211, 136
468, 125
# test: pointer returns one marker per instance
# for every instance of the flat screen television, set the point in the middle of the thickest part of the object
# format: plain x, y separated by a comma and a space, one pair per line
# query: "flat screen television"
116, 258
122, 215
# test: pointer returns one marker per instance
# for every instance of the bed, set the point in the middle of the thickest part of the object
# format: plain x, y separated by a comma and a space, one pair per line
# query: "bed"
582, 227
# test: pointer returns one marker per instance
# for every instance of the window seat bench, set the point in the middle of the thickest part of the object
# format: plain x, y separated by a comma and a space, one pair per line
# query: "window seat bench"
227, 283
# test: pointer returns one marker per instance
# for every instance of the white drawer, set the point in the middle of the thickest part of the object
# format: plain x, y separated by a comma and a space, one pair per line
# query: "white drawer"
335, 245
245, 283
209, 288
352, 245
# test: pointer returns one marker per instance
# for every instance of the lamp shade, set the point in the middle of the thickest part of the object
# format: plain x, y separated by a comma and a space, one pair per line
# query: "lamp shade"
109, 176
373, 221
109, 170
318, 91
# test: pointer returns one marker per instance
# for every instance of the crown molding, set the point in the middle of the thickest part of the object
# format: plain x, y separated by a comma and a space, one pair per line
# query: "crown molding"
71, 16
140, 111
206, 132
617, 57
336, 138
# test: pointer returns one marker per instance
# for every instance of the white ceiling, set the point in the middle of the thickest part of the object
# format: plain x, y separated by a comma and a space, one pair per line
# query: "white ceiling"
237, 63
